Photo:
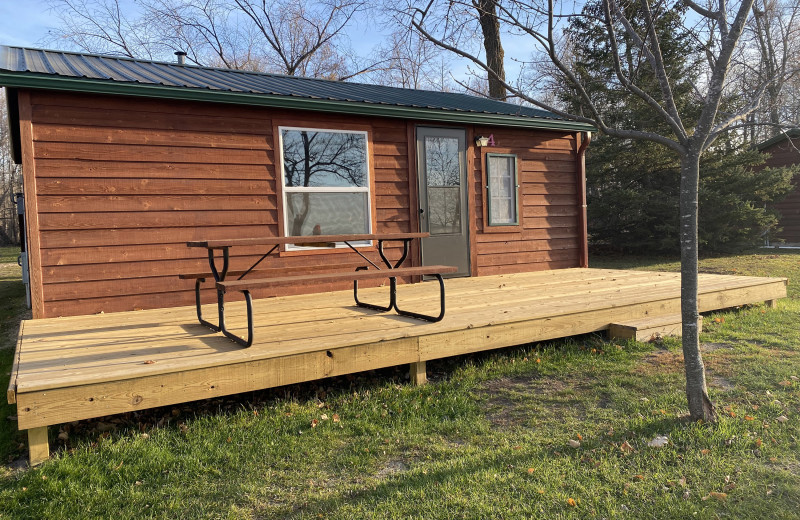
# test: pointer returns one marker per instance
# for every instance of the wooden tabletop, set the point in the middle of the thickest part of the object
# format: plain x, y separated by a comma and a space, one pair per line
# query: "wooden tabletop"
312, 239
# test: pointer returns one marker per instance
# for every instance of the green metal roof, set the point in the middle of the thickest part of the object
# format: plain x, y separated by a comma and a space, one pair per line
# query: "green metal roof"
791, 133
92, 73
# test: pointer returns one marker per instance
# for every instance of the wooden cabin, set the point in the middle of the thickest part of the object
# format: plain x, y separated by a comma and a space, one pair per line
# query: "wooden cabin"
784, 150
125, 161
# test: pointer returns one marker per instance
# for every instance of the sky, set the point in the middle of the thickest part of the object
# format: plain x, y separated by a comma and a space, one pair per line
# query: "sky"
24, 22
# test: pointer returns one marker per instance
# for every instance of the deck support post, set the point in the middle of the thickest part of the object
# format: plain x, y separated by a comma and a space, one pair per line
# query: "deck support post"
418, 374
38, 446
771, 303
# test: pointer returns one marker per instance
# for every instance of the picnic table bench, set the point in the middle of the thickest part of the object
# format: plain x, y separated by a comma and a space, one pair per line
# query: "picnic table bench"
283, 277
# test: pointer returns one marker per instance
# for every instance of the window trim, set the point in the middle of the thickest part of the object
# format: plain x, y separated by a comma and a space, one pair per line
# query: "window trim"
488, 225
283, 189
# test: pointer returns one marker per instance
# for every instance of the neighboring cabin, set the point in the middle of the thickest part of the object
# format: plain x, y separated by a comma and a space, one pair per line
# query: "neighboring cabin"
125, 161
784, 150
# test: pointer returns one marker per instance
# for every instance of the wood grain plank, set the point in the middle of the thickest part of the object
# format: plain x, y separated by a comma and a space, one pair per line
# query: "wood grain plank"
59, 133
52, 186
102, 170
133, 237
151, 219
133, 203
148, 153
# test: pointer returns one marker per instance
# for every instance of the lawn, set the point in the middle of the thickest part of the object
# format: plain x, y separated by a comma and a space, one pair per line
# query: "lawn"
555, 430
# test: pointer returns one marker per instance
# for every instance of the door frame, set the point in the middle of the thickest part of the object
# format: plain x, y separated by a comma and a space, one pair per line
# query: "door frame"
415, 187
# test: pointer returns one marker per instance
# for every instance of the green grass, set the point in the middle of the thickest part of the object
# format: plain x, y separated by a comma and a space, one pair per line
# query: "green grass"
488, 438
9, 254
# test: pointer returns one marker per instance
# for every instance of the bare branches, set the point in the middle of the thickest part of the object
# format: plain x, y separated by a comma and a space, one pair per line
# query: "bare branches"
303, 37
100, 26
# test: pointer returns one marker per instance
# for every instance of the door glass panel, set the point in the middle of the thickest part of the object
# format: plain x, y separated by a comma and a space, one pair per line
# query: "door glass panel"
444, 185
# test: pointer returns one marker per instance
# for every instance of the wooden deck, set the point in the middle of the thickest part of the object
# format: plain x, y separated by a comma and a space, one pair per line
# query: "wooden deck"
89, 366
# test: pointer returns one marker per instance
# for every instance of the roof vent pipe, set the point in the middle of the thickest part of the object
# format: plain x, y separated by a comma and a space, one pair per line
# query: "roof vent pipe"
181, 57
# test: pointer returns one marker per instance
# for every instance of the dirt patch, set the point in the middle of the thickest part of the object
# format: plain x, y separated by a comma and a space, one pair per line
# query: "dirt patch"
392, 468
512, 402
665, 361
721, 383
791, 467
711, 347
660, 362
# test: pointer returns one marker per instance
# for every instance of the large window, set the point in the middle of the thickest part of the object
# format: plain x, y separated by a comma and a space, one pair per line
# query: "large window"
325, 182
502, 190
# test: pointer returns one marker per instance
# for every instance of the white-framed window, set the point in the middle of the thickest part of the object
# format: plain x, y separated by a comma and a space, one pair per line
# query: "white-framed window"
502, 189
326, 182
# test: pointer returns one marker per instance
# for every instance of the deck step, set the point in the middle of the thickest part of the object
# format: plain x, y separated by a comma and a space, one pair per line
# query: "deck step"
646, 329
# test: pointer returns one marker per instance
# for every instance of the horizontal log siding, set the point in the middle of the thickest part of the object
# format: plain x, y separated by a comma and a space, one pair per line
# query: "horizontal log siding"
124, 183
548, 237
784, 154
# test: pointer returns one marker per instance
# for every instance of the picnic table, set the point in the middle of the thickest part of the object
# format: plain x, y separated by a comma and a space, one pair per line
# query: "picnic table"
390, 270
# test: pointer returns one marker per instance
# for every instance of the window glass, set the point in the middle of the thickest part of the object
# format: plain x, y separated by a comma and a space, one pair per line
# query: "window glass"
444, 185
327, 213
326, 182
502, 189
315, 158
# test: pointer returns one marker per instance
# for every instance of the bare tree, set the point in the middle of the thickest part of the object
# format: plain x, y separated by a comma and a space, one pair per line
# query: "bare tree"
103, 26
688, 133
473, 26
411, 61
771, 44
490, 28
301, 37
10, 180
297, 31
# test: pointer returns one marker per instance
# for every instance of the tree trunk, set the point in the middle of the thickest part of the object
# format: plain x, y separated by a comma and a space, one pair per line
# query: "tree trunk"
490, 26
700, 405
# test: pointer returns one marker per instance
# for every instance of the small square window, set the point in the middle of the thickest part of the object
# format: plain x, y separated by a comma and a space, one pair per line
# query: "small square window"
502, 190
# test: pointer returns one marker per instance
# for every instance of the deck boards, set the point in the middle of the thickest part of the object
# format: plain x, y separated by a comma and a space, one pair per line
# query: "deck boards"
85, 366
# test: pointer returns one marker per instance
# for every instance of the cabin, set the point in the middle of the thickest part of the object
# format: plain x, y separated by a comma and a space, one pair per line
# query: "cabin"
784, 150
127, 160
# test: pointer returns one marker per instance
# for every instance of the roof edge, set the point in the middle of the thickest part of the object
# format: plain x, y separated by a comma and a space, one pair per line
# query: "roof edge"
85, 85
791, 133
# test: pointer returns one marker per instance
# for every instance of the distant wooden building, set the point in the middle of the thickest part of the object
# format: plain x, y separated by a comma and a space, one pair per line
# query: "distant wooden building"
125, 161
784, 150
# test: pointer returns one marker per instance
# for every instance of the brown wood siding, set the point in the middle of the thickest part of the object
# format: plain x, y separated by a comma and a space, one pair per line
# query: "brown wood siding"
122, 184
786, 154
548, 236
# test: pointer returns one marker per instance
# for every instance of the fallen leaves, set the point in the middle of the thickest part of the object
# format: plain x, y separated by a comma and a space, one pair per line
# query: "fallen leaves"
782, 419
571, 502
626, 448
574, 444
716, 495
